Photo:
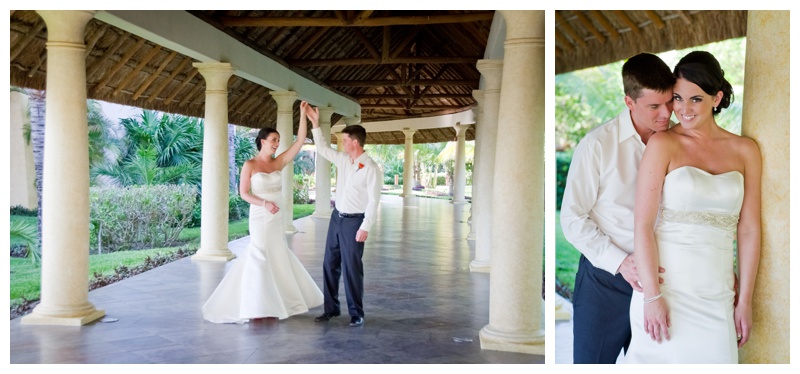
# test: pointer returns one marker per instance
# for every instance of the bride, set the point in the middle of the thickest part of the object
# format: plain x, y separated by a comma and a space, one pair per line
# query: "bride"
698, 189
268, 280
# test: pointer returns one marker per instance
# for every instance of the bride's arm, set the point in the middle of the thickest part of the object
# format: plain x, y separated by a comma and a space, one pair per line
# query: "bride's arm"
288, 155
748, 239
650, 180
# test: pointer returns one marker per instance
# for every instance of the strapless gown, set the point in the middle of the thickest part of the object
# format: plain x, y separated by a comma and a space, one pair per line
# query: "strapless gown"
695, 237
267, 280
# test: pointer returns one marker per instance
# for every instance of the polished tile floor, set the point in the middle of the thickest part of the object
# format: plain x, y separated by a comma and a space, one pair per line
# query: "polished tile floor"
422, 305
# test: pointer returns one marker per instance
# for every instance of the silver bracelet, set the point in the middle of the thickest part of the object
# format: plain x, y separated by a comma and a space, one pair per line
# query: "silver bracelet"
654, 298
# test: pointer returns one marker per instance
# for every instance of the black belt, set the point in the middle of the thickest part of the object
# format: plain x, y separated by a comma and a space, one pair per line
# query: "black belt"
351, 215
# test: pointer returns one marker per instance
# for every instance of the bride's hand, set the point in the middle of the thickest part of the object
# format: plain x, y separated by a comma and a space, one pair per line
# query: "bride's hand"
656, 319
743, 320
270, 207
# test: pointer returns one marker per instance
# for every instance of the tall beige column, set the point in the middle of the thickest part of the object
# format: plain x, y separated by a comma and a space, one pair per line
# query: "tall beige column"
478, 112
285, 127
460, 172
408, 164
322, 202
339, 138
765, 118
65, 193
485, 150
214, 200
515, 311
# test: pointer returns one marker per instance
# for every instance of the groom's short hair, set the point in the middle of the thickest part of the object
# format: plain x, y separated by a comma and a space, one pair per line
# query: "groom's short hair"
646, 71
357, 132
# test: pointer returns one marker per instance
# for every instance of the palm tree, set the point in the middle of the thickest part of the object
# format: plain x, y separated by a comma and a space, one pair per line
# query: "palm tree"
36, 106
104, 140
25, 232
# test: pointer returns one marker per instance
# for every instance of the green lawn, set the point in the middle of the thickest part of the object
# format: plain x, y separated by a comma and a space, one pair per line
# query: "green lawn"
25, 280
566, 257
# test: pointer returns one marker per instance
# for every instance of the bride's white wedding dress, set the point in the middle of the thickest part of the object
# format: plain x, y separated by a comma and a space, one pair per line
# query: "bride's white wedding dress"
267, 280
695, 234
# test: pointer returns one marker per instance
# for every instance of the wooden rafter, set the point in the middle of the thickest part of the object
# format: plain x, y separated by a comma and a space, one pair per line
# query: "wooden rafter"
154, 75
604, 22
392, 83
399, 97
589, 26
180, 87
310, 42
687, 19
129, 77
388, 61
95, 37
121, 39
230, 21
563, 42
166, 82
110, 73
627, 21
367, 44
655, 18
27, 39
570, 31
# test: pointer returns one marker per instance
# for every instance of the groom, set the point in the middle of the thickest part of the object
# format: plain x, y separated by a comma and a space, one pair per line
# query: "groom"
358, 189
597, 210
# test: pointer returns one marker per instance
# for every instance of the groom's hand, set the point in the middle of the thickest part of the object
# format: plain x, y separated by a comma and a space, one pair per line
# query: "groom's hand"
361, 236
628, 270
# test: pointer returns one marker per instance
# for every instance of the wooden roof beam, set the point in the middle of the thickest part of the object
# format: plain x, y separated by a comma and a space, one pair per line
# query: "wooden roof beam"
568, 28
687, 19
564, 43
169, 79
655, 18
390, 61
394, 83
589, 26
27, 39
627, 21
108, 53
235, 21
97, 35
399, 97
180, 87
612, 32
130, 76
311, 41
154, 75
110, 74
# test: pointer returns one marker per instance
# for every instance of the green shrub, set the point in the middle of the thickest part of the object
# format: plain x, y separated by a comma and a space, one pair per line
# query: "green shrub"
238, 208
139, 216
19, 210
563, 159
301, 186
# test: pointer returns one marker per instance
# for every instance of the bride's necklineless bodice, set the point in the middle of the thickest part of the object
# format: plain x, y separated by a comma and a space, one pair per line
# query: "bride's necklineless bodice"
693, 195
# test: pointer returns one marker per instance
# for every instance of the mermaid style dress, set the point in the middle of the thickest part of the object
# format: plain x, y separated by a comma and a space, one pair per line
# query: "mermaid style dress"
267, 280
695, 235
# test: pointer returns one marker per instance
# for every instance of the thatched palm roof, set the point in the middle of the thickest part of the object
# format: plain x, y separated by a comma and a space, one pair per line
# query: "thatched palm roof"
586, 38
396, 64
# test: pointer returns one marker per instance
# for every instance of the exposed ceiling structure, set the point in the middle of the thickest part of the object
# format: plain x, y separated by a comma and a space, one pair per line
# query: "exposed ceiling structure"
395, 64
587, 38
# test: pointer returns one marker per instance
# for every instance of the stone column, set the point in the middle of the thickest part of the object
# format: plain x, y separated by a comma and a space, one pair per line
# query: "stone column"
339, 138
322, 202
765, 118
515, 311
285, 127
408, 164
214, 200
478, 111
485, 149
65, 193
460, 173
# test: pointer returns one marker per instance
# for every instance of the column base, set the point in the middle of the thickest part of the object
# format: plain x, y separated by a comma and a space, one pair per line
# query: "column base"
479, 266
290, 229
323, 214
220, 256
494, 340
38, 319
459, 202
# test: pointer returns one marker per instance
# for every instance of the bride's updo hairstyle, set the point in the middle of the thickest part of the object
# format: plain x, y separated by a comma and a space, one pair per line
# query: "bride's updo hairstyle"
702, 69
263, 134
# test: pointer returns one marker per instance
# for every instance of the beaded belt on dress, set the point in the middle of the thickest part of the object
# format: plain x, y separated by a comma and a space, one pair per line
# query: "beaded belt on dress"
272, 189
720, 220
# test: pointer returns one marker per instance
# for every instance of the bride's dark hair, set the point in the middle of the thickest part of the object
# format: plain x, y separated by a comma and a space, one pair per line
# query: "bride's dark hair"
702, 69
263, 134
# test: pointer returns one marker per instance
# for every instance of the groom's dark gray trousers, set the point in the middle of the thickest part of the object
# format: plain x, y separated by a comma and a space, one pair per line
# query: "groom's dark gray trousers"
601, 322
343, 253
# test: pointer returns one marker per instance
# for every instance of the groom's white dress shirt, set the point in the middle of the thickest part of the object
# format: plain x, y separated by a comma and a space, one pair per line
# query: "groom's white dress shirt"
598, 202
358, 183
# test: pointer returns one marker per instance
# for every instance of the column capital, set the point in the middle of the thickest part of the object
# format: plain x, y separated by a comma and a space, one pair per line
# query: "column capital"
352, 120
461, 129
492, 71
66, 26
216, 74
409, 133
285, 99
524, 24
325, 113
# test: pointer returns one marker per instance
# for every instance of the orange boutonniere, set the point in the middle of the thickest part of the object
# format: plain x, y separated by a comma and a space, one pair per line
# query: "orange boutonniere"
360, 166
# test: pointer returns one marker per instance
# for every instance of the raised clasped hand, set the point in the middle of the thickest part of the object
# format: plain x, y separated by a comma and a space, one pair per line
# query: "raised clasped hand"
656, 320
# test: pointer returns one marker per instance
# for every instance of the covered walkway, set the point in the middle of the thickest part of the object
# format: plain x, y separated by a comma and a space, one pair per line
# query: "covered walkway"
422, 305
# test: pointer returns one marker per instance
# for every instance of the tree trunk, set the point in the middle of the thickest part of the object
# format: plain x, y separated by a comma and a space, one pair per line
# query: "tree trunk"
37, 107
